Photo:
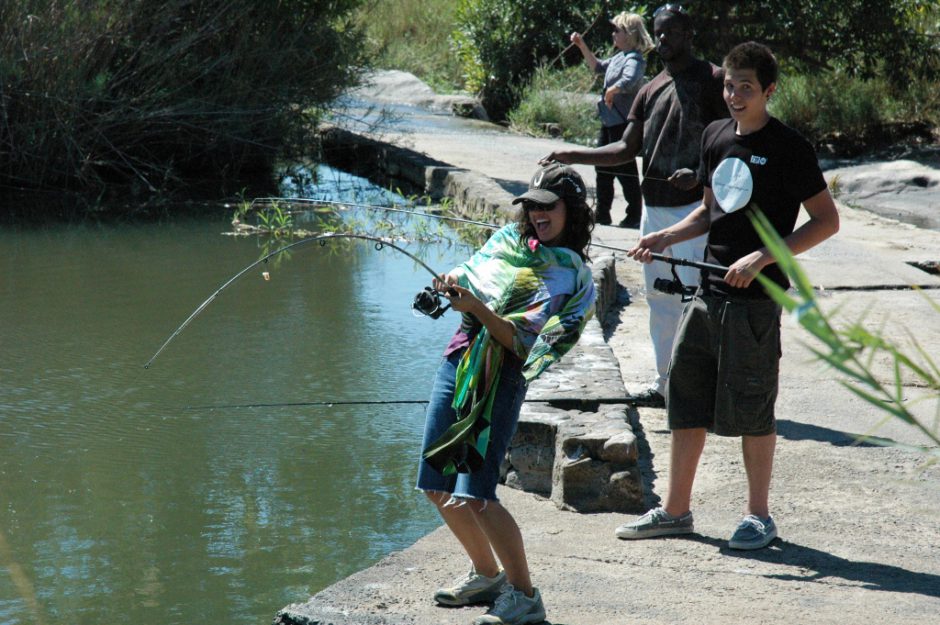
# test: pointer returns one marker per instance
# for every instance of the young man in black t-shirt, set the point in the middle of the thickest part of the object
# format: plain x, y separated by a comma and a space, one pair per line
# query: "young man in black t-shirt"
724, 370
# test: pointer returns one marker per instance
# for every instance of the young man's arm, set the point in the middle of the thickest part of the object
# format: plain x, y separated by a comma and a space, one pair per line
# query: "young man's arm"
622, 151
695, 224
823, 223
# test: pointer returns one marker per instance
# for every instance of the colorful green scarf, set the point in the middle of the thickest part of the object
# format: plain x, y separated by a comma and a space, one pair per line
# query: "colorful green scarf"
548, 294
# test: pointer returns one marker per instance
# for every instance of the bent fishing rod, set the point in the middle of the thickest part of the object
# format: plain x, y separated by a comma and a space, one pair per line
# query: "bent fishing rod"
659, 257
322, 239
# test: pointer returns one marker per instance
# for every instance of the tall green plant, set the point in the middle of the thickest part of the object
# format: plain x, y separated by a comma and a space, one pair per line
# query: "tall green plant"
851, 350
820, 34
153, 94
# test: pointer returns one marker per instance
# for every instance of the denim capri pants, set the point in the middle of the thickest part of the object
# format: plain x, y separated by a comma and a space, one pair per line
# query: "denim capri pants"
510, 392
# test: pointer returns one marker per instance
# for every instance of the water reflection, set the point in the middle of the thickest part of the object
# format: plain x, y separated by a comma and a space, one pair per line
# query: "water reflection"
118, 501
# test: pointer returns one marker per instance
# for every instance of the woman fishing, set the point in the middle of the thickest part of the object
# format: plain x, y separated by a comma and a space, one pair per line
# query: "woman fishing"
524, 297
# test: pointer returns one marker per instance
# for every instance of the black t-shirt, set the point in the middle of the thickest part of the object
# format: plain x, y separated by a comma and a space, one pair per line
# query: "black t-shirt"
674, 110
774, 169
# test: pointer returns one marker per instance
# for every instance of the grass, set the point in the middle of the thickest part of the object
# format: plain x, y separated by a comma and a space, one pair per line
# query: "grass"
413, 36
855, 114
138, 98
559, 103
846, 114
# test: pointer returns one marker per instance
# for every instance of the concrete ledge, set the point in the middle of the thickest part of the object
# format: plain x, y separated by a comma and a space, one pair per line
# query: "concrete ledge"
574, 442
472, 193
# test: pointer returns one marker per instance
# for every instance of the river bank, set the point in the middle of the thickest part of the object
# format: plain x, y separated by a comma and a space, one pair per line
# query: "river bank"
858, 523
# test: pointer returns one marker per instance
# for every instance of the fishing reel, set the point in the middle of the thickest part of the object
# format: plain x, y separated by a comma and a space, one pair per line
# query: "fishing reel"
674, 286
428, 302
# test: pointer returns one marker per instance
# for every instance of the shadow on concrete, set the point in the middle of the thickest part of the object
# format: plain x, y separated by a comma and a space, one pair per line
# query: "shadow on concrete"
613, 316
514, 187
816, 566
794, 431
819, 565
644, 463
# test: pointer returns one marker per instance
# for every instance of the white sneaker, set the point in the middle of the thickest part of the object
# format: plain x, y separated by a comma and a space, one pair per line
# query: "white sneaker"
471, 588
512, 607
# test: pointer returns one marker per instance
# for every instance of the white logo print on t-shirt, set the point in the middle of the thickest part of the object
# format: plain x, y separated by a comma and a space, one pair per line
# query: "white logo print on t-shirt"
732, 184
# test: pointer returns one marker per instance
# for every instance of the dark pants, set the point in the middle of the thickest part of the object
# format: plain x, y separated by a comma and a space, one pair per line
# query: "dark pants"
626, 173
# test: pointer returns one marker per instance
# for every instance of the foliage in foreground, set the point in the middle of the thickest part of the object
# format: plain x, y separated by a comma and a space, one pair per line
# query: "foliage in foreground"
852, 350
155, 93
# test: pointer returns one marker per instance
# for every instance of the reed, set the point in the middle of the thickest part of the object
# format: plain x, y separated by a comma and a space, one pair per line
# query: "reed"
107, 94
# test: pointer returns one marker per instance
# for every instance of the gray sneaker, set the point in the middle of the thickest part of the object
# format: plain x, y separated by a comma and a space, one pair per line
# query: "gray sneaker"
753, 533
512, 607
471, 588
656, 522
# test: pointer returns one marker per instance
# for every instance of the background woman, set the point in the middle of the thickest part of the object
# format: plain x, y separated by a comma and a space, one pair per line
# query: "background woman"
623, 77
524, 298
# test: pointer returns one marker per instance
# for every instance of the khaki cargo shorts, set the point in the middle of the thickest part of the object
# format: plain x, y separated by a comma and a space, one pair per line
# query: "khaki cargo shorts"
725, 366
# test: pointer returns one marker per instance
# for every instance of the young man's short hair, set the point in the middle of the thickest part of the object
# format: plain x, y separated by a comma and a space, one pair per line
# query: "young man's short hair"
756, 56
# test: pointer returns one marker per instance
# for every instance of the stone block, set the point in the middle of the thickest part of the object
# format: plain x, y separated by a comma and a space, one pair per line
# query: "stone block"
585, 484
531, 458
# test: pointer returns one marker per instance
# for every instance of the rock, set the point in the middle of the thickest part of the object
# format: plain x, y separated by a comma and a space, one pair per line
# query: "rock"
398, 87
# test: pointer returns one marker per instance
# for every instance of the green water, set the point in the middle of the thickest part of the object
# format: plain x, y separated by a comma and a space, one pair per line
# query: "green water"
123, 499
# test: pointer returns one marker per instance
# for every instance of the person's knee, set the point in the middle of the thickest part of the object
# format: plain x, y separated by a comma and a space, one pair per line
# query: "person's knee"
477, 507
438, 497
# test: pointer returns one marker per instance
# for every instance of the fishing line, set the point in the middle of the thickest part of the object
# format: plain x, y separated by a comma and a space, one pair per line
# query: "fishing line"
383, 402
379, 244
390, 209
637, 176
659, 257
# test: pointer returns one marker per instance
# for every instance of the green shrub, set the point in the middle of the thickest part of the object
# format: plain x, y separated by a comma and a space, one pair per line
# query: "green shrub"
817, 105
501, 42
855, 112
559, 99
860, 36
154, 94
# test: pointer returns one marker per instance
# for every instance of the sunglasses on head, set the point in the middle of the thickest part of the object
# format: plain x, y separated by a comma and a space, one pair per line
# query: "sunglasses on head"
669, 8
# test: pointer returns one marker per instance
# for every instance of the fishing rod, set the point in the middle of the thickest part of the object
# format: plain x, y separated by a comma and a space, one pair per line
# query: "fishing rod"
491, 226
601, 17
387, 402
690, 263
322, 239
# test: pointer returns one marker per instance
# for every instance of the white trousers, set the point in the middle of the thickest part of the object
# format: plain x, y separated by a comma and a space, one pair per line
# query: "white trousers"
665, 309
